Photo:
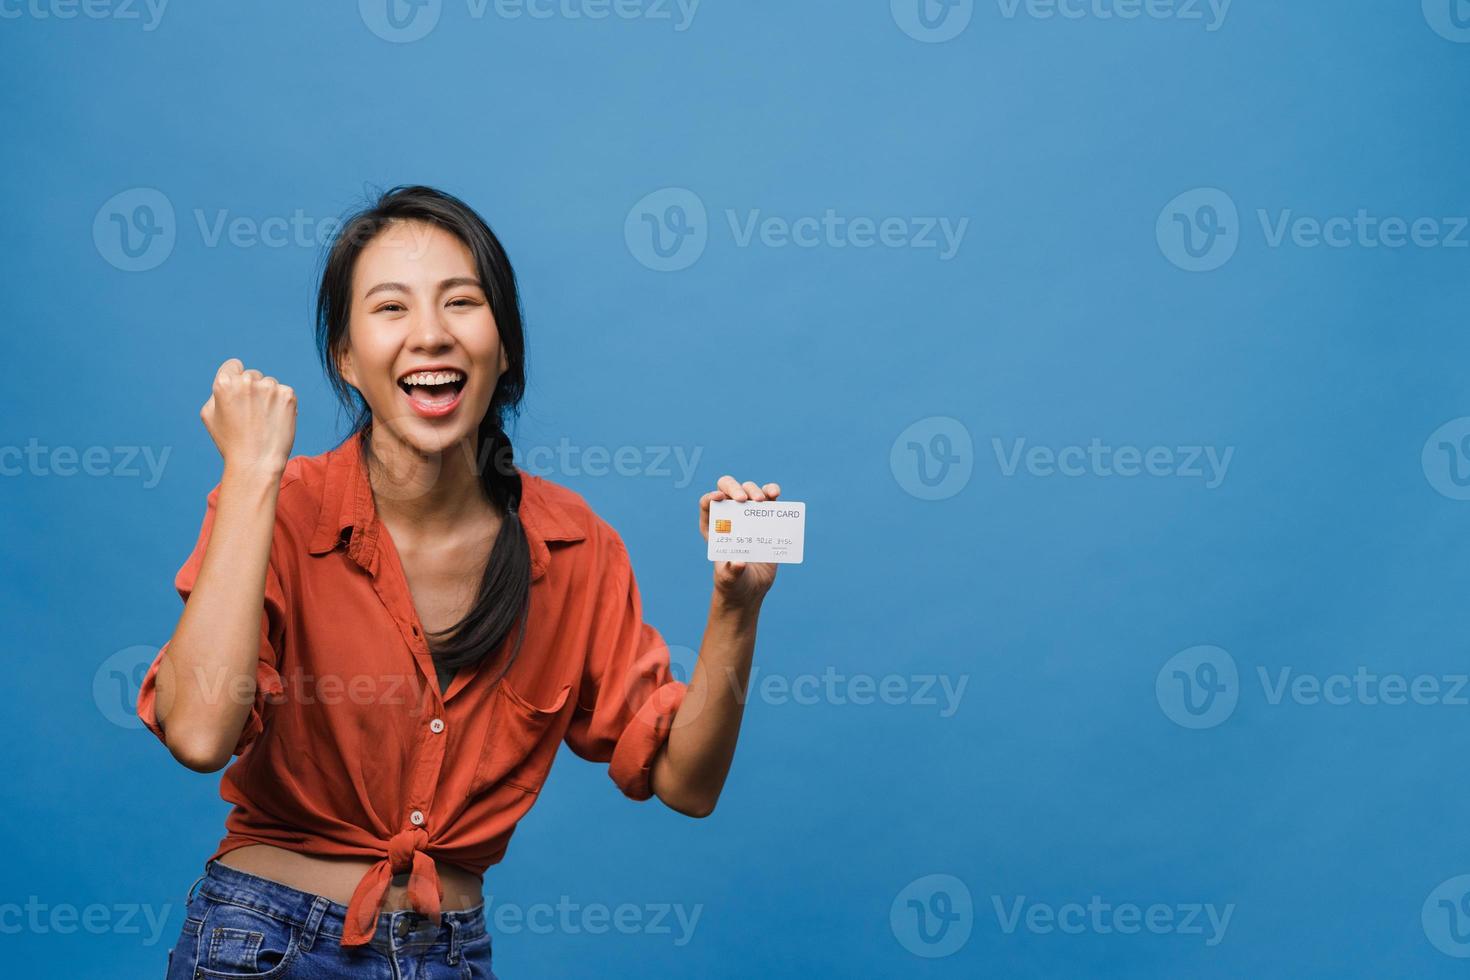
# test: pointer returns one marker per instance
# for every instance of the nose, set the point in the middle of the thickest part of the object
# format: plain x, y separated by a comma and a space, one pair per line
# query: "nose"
428, 332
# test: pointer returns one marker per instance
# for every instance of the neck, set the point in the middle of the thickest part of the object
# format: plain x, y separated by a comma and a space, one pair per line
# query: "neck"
430, 492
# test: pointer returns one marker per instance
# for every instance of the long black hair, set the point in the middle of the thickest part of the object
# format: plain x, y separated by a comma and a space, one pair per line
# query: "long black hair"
505, 588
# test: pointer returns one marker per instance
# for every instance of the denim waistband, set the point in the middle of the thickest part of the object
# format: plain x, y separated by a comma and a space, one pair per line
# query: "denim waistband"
318, 916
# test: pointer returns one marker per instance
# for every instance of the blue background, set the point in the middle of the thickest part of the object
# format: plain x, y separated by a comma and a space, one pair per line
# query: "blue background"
1063, 774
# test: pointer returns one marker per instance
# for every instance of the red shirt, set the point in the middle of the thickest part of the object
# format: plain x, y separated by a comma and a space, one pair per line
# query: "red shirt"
350, 748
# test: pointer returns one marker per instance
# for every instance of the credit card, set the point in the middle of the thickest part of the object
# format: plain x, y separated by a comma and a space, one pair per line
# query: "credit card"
757, 530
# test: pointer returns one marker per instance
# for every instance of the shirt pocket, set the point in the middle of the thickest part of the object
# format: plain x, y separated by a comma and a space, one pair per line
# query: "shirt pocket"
519, 747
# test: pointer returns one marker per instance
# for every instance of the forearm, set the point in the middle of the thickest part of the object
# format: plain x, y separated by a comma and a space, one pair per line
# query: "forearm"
206, 681
690, 772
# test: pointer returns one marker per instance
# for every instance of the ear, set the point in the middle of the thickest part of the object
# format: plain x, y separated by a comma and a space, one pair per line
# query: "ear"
345, 368
504, 361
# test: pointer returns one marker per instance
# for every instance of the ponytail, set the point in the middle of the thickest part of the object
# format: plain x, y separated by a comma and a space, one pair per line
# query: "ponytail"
505, 589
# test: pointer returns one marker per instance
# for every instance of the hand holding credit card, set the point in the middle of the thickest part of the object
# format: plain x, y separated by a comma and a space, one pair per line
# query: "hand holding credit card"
751, 532
757, 531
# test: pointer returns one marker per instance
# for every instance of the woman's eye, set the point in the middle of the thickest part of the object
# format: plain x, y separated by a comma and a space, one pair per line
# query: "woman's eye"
389, 308
464, 302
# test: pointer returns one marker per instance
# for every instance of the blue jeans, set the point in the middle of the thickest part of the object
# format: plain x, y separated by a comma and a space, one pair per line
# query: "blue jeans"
245, 927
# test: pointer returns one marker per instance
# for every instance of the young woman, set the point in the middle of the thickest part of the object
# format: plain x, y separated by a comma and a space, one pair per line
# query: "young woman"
395, 636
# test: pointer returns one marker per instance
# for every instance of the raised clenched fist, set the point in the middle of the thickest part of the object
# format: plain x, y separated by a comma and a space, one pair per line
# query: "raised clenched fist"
250, 417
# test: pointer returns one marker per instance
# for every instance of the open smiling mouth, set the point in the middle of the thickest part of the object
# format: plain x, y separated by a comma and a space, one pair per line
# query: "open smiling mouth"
433, 393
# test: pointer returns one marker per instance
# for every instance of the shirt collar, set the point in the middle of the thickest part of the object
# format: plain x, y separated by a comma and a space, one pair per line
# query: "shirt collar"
347, 505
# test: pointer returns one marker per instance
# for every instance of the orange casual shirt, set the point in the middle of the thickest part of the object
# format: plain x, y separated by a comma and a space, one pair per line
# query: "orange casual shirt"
350, 748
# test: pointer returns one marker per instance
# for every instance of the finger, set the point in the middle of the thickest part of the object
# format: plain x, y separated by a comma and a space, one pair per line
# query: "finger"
232, 366
773, 490
251, 373
270, 379
732, 487
753, 491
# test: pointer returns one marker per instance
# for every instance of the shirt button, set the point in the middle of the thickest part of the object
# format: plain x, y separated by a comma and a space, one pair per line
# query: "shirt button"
436, 726
416, 818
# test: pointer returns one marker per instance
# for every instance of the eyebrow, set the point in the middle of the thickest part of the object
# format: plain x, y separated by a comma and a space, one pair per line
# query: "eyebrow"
384, 287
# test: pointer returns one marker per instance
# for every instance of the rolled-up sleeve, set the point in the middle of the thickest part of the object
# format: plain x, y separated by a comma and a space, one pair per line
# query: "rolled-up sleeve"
268, 686
629, 696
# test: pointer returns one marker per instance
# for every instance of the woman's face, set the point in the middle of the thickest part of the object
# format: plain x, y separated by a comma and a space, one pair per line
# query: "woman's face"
422, 346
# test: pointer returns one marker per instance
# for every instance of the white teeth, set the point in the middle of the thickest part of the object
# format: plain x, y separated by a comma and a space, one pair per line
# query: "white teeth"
432, 377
